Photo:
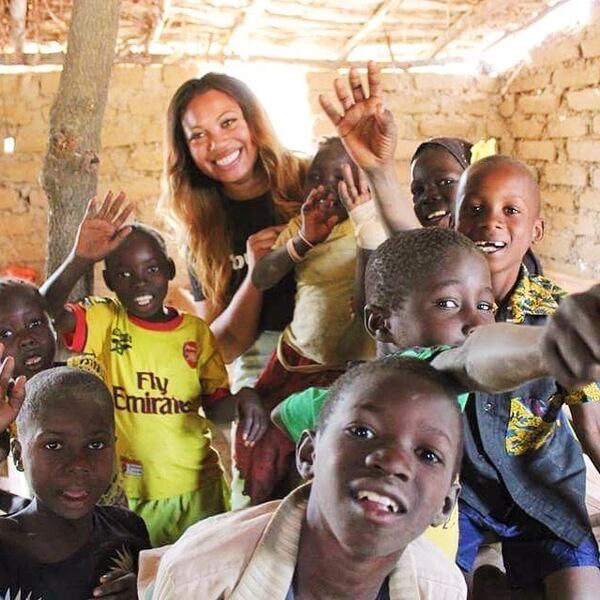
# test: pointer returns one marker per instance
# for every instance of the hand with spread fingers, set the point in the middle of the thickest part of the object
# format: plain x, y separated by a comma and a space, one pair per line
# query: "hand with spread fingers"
353, 193
364, 124
102, 228
318, 215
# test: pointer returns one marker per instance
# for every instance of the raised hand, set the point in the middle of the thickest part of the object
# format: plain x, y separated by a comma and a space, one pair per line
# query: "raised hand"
352, 193
365, 126
12, 393
318, 215
101, 229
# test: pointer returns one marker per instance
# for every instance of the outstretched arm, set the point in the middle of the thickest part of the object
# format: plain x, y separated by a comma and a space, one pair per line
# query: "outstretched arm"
318, 219
368, 131
99, 233
502, 356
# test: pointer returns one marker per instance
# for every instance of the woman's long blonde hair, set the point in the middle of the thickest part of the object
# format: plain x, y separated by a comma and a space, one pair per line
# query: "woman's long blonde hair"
194, 201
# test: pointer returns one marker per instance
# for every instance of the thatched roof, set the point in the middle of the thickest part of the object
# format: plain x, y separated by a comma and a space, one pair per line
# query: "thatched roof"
316, 32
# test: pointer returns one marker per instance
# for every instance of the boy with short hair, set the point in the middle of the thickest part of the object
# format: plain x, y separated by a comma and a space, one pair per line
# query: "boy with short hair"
162, 367
524, 475
62, 545
381, 474
515, 435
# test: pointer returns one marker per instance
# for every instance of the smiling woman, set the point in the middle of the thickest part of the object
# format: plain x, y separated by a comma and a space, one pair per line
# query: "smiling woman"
231, 187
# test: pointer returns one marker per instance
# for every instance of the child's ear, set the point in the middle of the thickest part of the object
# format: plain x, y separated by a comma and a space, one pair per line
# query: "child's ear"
376, 322
305, 454
107, 280
172, 270
449, 503
15, 448
538, 231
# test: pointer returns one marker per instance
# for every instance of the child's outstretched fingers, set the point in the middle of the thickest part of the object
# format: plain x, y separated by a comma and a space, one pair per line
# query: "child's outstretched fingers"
352, 193
365, 126
12, 392
571, 340
101, 229
318, 216
117, 584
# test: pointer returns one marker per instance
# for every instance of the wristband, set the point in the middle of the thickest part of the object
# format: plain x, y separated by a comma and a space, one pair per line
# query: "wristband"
368, 228
292, 252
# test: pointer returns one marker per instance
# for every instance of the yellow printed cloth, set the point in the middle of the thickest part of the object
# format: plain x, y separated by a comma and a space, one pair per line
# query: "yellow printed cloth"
532, 421
160, 375
323, 316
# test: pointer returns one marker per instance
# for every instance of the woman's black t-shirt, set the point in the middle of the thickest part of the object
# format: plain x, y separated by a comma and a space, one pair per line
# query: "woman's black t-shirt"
246, 217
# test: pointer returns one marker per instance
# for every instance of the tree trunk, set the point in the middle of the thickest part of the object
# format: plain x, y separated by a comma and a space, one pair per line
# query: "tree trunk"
70, 172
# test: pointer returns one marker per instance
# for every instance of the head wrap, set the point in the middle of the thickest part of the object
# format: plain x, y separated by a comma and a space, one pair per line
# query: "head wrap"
458, 148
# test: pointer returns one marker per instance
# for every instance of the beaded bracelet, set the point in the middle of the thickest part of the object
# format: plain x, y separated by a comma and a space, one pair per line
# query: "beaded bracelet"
305, 240
292, 252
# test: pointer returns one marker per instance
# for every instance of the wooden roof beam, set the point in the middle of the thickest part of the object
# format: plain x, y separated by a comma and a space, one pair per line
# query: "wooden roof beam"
475, 16
243, 26
18, 14
373, 23
159, 24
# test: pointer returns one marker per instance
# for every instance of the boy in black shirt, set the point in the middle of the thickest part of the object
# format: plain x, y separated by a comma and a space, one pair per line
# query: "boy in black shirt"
62, 545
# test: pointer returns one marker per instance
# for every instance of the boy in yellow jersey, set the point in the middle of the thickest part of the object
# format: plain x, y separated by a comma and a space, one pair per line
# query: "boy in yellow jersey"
162, 368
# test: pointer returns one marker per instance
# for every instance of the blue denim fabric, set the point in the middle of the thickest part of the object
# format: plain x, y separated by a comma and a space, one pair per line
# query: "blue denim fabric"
547, 482
530, 551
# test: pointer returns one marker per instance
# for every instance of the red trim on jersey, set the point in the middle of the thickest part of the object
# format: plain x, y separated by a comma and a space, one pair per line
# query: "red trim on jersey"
169, 325
76, 339
209, 400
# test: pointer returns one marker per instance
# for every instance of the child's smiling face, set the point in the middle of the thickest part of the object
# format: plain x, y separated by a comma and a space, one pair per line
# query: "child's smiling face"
499, 210
326, 170
67, 453
442, 308
139, 273
25, 330
434, 181
385, 462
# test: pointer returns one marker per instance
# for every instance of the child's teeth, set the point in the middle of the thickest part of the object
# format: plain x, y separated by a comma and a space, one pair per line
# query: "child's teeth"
436, 214
386, 502
143, 300
227, 160
490, 246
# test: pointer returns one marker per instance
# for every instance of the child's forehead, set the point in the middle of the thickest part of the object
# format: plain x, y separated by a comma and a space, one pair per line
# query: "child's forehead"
329, 155
385, 391
138, 240
14, 298
67, 405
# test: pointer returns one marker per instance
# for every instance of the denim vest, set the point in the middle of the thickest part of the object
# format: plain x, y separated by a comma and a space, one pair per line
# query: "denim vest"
519, 446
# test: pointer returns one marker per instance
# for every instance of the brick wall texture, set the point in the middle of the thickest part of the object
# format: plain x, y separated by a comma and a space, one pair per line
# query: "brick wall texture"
547, 114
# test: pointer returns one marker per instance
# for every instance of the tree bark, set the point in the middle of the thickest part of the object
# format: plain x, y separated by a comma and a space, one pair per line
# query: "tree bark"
70, 171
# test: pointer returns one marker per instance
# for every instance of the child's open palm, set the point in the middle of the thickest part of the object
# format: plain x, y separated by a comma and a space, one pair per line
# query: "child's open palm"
353, 193
12, 392
365, 126
318, 215
101, 229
